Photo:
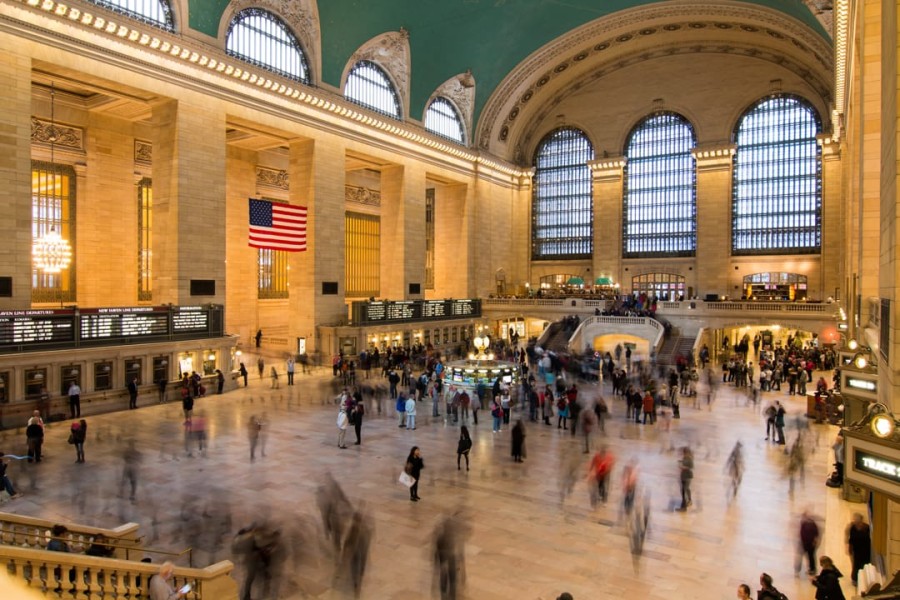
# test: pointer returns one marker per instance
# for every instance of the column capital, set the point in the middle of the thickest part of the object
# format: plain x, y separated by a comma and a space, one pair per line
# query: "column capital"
831, 146
608, 168
713, 156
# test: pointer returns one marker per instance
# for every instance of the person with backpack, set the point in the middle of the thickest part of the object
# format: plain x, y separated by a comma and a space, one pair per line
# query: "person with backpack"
77, 435
562, 407
768, 591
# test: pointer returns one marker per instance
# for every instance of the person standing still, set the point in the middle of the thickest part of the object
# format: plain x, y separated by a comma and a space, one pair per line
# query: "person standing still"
414, 466
342, 423
410, 413
132, 393
463, 447
261, 365
809, 543
77, 436
686, 467
779, 423
220, 381
258, 337
290, 370
401, 409
359, 410
243, 372
34, 434
161, 387
74, 400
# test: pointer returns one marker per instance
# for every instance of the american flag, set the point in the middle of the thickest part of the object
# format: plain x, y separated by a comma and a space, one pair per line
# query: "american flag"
277, 226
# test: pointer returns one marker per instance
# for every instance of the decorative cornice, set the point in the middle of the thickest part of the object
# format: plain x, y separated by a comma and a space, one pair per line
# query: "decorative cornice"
362, 195
607, 169
714, 156
272, 178
63, 136
143, 152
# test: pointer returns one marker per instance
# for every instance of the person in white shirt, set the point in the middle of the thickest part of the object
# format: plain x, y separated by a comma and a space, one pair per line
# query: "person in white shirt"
342, 422
411, 413
74, 401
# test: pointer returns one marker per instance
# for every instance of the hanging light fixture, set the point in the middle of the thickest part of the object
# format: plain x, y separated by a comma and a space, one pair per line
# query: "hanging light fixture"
51, 253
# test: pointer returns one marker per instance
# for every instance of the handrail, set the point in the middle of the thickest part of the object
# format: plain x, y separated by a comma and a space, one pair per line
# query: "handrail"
127, 548
77, 576
24, 531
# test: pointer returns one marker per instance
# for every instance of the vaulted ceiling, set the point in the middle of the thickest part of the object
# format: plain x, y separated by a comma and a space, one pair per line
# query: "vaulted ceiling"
488, 37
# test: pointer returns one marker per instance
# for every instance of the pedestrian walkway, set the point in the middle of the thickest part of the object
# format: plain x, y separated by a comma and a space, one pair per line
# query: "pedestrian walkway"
524, 543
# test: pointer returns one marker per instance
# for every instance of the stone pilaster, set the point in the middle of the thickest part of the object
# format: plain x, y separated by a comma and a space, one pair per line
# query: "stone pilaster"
452, 244
402, 231
15, 177
608, 185
317, 176
714, 189
188, 201
833, 242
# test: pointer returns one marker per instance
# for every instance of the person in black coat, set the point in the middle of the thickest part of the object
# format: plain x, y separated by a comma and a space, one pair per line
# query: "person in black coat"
859, 544
414, 466
518, 441
827, 585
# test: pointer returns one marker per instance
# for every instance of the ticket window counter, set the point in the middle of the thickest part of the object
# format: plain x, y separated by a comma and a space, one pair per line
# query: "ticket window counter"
5, 391
103, 376
35, 380
67, 376
133, 370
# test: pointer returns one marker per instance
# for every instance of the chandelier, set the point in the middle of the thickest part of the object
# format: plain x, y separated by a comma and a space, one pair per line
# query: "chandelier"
51, 253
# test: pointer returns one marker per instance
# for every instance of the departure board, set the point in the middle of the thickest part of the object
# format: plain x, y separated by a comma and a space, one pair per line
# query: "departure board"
34, 326
414, 310
102, 323
190, 318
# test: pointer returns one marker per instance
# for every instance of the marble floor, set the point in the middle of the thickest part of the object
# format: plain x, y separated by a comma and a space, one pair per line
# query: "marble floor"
524, 541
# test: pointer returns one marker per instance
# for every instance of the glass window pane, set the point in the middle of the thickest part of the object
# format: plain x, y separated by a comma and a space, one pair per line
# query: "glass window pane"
154, 12
261, 38
777, 198
368, 85
562, 198
443, 119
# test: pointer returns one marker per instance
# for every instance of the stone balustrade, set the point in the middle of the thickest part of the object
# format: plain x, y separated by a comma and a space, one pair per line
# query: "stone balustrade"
79, 577
30, 532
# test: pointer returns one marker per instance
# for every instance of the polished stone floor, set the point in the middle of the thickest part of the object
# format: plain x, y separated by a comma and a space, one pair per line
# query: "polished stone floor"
524, 542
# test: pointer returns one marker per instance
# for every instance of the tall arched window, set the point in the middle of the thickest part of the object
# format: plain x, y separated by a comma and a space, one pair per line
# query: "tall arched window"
660, 212
368, 85
443, 119
562, 224
777, 201
154, 12
261, 38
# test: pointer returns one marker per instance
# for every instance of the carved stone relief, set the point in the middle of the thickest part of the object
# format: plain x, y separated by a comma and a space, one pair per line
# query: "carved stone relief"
143, 152
362, 195
272, 178
390, 51
63, 136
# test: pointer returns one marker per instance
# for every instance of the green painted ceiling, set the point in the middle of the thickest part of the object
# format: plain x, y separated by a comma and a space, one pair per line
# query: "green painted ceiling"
447, 37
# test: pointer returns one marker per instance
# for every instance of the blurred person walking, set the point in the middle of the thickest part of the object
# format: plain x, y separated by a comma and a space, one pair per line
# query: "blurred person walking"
859, 545
449, 557
600, 469
808, 543
686, 476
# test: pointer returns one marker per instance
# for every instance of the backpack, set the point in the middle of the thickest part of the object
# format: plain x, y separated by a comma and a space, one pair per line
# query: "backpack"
561, 404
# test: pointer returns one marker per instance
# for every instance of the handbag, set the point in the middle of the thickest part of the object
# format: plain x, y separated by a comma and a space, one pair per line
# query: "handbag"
406, 479
72, 438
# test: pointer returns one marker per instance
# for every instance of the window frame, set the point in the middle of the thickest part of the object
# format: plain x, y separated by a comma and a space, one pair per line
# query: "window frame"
778, 209
563, 218
661, 214
362, 248
272, 274
453, 116
61, 287
387, 85
145, 239
263, 59
168, 14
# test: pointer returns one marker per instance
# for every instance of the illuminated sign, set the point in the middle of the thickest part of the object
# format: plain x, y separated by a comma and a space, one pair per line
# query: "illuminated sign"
877, 466
862, 384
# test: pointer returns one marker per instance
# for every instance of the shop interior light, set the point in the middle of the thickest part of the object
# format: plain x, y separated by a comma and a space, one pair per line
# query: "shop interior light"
853, 344
860, 361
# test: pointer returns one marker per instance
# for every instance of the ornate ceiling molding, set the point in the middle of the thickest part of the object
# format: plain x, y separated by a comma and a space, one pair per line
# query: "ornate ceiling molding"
629, 32
390, 51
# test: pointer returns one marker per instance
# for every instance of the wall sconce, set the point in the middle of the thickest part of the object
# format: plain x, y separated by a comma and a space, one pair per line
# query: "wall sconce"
73, 372
238, 353
38, 376
163, 362
882, 425
853, 344
136, 365
211, 357
105, 368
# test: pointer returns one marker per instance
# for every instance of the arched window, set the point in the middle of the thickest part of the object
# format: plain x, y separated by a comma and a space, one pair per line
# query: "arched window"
368, 85
660, 212
777, 202
154, 12
562, 224
261, 38
443, 119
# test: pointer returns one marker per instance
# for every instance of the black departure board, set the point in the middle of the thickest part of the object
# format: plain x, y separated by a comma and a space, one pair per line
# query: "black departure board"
36, 326
103, 323
414, 310
190, 318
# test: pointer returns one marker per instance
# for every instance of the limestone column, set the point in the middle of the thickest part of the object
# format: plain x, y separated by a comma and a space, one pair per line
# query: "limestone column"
15, 177
316, 174
402, 231
608, 187
714, 190
241, 275
188, 201
833, 241
452, 242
